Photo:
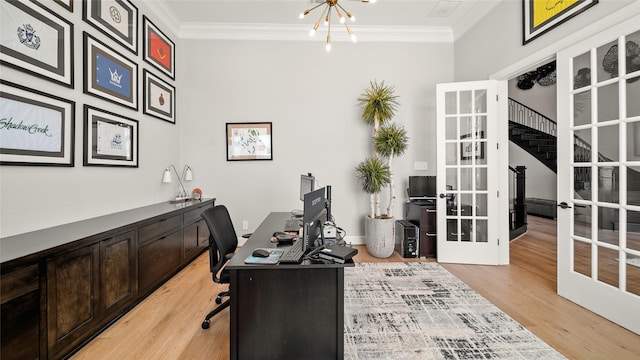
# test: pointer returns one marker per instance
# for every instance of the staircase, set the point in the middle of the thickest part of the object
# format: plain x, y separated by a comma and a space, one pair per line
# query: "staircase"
534, 133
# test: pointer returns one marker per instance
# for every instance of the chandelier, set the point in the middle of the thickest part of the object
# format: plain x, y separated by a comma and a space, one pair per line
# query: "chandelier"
326, 15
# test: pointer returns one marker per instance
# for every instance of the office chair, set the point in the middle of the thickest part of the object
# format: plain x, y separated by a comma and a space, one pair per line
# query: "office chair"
222, 244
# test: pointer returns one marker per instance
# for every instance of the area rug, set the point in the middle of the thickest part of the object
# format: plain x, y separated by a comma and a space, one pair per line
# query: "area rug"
419, 310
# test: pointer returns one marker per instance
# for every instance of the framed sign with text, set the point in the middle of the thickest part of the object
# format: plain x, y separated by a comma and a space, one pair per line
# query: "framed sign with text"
159, 50
37, 41
35, 128
109, 139
108, 74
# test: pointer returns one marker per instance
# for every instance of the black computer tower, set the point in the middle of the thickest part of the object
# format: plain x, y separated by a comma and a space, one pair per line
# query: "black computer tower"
406, 239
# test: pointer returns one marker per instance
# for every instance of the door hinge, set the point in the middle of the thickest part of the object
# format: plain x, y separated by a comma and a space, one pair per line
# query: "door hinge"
498, 193
496, 97
498, 241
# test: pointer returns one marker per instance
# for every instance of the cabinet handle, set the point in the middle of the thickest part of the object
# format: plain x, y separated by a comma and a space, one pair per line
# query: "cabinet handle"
430, 210
428, 234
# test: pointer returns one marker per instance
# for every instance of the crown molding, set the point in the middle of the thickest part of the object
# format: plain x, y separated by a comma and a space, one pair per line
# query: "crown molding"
236, 31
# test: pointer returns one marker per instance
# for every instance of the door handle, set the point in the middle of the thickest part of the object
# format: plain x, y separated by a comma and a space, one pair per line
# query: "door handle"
442, 196
564, 205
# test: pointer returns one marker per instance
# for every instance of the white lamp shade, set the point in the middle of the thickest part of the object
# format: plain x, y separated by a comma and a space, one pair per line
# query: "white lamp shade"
188, 176
166, 177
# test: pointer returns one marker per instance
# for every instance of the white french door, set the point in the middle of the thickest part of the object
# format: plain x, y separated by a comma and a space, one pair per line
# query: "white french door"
471, 130
599, 173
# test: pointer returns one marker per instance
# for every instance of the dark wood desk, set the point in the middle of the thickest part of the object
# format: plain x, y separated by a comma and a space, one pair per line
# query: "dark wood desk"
285, 311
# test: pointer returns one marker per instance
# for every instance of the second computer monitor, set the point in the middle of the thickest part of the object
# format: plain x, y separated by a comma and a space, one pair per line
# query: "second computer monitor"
314, 215
307, 184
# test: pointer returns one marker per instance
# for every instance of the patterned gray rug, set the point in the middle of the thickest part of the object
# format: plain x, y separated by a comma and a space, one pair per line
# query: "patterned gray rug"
418, 310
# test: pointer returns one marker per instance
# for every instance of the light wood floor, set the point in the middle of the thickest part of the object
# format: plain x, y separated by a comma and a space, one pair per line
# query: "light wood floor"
166, 325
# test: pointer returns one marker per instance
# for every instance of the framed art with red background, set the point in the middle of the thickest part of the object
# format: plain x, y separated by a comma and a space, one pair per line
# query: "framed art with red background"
159, 50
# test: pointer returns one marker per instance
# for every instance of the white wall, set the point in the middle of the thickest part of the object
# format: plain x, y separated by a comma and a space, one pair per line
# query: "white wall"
311, 99
495, 42
36, 197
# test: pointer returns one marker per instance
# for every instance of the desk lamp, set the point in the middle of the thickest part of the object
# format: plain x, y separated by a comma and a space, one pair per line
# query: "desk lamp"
182, 194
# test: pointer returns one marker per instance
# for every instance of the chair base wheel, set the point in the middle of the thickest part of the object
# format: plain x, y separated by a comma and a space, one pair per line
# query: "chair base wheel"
218, 301
205, 324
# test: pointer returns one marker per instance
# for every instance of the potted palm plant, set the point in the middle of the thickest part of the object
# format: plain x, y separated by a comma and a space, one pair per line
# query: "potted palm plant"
379, 104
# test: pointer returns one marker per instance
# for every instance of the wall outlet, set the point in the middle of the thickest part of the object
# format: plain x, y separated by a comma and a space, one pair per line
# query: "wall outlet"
420, 165
245, 225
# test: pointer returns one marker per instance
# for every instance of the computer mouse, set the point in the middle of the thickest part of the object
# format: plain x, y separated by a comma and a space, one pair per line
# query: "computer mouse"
260, 253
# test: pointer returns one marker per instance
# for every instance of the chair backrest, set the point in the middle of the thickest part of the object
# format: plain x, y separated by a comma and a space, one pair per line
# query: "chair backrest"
222, 239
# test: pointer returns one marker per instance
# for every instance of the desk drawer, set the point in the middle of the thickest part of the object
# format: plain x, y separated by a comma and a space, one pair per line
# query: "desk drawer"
192, 216
148, 232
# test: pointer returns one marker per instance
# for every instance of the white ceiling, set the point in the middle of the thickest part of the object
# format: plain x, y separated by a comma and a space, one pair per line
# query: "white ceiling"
455, 16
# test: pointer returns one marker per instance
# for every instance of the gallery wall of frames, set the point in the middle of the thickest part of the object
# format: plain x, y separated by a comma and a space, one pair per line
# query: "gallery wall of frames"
127, 60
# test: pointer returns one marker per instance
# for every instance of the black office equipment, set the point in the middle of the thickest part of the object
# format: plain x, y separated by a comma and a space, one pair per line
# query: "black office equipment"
406, 239
292, 225
313, 232
307, 184
223, 241
422, 187
337, 253
294, 254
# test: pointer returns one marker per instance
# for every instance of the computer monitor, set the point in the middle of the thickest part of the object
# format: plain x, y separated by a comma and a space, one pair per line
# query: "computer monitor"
421, 187
307, 184
315, 213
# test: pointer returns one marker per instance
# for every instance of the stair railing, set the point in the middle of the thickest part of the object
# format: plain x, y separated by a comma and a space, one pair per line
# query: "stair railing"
528, 117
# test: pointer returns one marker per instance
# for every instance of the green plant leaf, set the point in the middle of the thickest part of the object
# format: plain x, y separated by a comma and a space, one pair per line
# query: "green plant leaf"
392, 140
379, 100
373, 175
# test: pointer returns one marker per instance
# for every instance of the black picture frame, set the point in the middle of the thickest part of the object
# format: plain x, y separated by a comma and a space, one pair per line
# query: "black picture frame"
32, 48
120, 22
35, 128
108, 74
465, 146
109, 139
159, 98
538, 17
249, 141
67, 4
159, 50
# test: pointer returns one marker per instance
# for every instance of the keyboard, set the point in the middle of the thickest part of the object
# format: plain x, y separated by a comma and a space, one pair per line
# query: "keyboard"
291, 225
293, 255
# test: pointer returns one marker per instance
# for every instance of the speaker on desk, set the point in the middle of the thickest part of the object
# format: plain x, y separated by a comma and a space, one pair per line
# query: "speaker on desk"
406, 239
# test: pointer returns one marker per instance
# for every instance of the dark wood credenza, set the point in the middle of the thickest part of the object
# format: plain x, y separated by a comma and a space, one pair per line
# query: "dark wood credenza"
61, 286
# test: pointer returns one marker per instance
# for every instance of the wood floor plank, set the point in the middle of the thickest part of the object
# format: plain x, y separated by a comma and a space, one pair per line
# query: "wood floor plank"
166, 325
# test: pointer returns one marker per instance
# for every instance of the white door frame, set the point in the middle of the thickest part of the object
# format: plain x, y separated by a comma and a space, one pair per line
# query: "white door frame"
549, 52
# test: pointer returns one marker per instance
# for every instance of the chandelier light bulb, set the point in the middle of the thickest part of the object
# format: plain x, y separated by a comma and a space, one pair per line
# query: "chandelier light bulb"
325, 17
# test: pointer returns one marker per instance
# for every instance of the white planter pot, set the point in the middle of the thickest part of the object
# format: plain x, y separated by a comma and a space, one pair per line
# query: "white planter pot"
379, 236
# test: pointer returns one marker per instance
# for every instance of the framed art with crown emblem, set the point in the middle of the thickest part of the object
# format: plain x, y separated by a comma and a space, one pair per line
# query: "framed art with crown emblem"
108, 74
37, 41
109, 139
159, 98
159, 50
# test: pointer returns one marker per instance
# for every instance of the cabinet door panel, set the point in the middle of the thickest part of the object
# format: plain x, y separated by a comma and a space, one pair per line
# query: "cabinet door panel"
159, 258
72, 283
20, 318
118, 271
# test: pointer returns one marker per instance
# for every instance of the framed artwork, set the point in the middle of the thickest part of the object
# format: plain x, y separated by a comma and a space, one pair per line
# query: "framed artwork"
249, 141
35, 128
540, 16
109, 139
67, 4
108, 74
159, 50
117, 19
159, 98
37, 41
467, 149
